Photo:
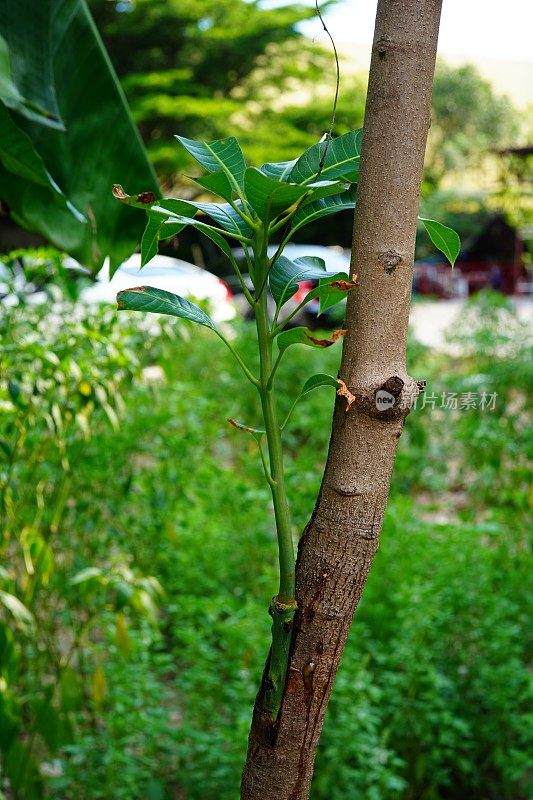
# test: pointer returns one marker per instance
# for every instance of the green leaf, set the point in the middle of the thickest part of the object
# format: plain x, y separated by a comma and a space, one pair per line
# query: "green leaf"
322, 189
18, 154
342, 160
142, 200
279, 171
445, 239
224, 154
26, 74
100, 146
323, 208
226, 216
315, 381
146, 298
285, 274
18, 610
216, 182
154, 231
304, 336
211, 233
331, 290
222, 213
150, 238
269, 197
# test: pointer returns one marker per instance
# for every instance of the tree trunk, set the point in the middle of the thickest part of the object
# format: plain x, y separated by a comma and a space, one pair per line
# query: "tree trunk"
339, 543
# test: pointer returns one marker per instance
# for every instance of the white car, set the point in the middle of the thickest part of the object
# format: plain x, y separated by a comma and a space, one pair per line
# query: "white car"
170, 274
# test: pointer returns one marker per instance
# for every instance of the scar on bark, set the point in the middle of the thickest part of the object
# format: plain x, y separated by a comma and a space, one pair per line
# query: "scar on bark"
390, 260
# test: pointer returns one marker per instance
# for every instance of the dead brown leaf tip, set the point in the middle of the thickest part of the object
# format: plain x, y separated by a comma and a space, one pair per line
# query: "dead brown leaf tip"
345, 392
118, 192
335, 336
239, 425
143, 197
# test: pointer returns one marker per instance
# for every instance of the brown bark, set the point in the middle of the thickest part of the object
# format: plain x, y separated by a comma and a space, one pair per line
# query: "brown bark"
339, 543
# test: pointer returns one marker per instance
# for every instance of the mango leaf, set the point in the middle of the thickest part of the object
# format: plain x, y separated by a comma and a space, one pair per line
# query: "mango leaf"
323, 208
285, 274
176, 210
342, 160
222, 154
154, 231
269, 197
146, 298
445, 239
100, 145
150, 238
279, 171
304, 336
217, 183
321, 189
173, 222
320, 379
331, 290
222, 213
226, 216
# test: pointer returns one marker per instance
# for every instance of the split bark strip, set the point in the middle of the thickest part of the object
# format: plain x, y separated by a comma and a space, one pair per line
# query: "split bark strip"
340, 541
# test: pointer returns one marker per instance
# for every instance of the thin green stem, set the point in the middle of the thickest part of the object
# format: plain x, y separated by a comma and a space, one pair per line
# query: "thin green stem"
268, 476
289, 415
244, 288
283, 606
242, 214
279, 496
274, 368
239, 360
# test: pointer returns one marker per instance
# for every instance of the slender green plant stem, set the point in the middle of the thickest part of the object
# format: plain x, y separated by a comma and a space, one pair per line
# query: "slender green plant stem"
283, 606
238, 359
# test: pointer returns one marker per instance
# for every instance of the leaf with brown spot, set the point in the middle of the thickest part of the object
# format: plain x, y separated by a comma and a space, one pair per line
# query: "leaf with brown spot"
331, 290
345, 392
140, 200
303, 336
335, 336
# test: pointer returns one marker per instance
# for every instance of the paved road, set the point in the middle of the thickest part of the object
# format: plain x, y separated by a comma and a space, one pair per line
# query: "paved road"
430, 320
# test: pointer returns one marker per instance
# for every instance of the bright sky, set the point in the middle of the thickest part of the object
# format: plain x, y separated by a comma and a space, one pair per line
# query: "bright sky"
474, 28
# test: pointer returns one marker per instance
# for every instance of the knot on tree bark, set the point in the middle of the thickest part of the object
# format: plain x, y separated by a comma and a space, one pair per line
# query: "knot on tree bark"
392, 399
390, 260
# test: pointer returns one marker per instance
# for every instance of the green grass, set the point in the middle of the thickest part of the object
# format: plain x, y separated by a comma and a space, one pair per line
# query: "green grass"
432, 695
